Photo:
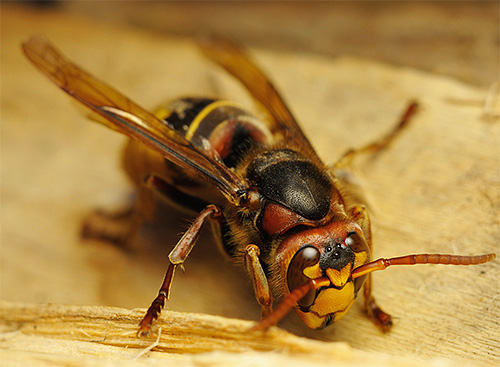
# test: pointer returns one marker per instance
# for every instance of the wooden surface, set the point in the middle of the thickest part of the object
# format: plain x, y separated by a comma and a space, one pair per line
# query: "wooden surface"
47, 335
435, 190
454, 38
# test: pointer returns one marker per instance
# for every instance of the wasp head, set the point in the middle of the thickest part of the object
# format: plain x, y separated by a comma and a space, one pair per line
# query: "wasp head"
330, 252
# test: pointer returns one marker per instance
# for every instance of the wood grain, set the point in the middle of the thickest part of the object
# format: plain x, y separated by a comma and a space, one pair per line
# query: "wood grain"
65, 334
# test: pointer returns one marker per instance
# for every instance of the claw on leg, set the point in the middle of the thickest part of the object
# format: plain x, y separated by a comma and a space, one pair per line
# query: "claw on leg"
152, 314
381, 319
157, 305
177, 257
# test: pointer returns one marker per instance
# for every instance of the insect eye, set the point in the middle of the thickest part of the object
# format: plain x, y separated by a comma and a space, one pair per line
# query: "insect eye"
328, 248
356, 243
305, 257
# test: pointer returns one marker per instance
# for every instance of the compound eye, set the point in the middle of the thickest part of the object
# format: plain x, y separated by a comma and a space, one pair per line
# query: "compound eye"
356, 243
361, 251
307, 256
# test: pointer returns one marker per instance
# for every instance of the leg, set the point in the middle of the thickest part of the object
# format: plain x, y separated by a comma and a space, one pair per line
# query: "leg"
382, 143
259, 280
381, 319
113, 226
177, 257
118, 226
121, 225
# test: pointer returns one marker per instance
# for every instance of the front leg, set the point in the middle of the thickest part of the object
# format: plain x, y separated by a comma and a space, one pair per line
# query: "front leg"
259, 280
381, 319
177, 257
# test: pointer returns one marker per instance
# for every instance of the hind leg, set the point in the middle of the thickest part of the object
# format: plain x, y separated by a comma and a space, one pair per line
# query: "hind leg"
381, 143
119, 226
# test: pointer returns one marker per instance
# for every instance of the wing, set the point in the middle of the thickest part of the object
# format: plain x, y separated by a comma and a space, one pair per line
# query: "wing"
130, 119
234, 60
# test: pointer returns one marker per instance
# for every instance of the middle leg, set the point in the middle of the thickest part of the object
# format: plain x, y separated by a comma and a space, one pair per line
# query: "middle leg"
177, 257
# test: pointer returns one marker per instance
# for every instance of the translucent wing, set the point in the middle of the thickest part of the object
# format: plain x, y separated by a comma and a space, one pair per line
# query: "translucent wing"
130, 119
234, 60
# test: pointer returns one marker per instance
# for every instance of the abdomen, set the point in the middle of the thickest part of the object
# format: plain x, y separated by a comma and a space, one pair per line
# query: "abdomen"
219, 128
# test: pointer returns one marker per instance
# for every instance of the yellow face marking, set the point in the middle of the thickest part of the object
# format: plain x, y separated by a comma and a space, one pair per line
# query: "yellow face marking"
331, 302
360, 258
339, 278
312, 272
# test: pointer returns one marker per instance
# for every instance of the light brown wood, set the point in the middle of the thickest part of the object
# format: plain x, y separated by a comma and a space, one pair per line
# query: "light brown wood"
79, 335
436, 189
